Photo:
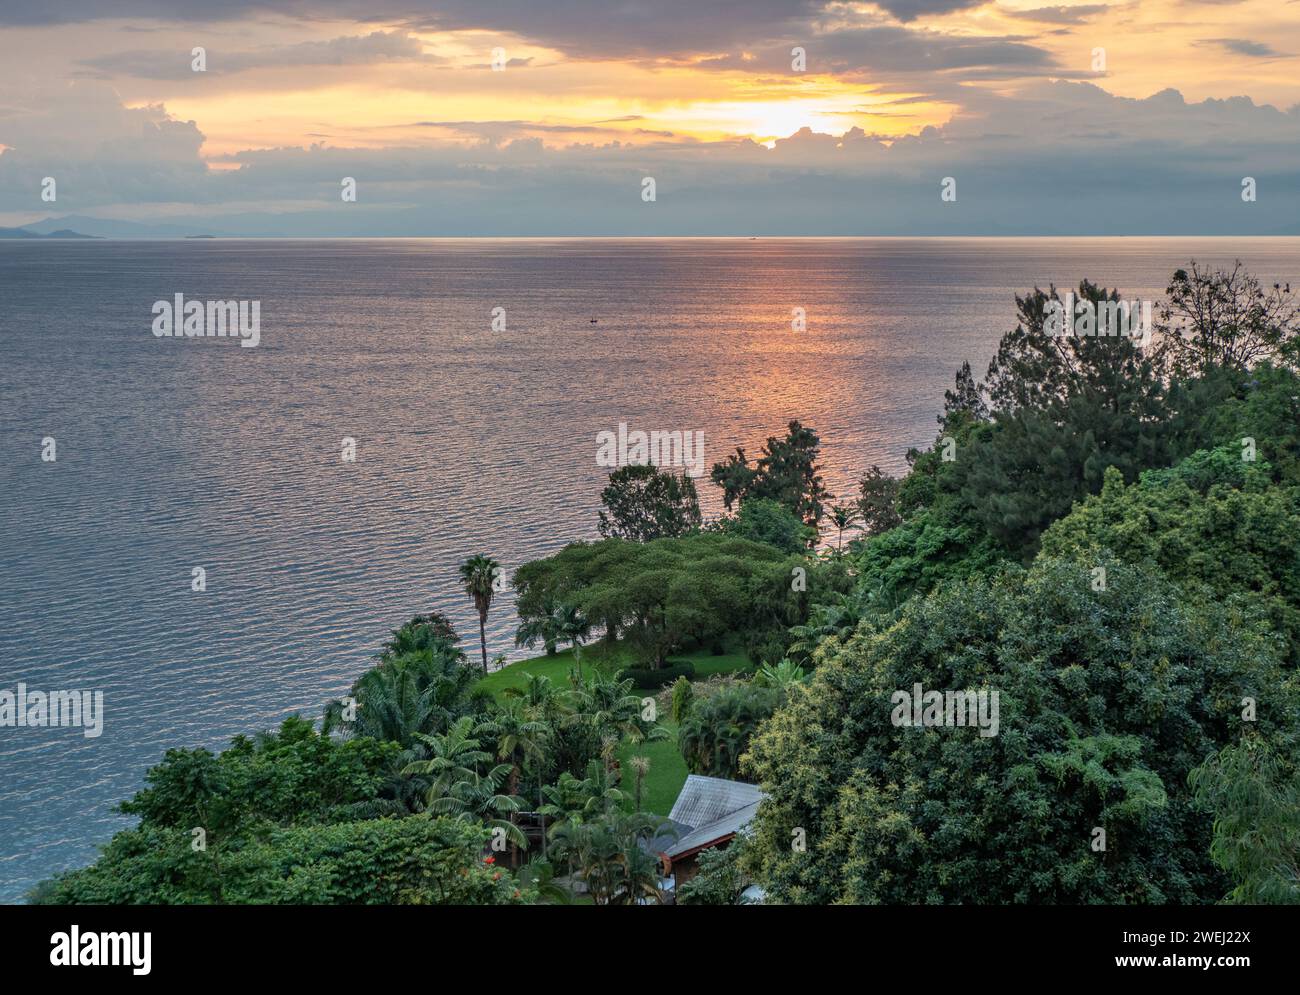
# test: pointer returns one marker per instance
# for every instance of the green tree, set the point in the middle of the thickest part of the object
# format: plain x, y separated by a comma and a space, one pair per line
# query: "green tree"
520, 736
720, 880
683, 697
1107, 701
965, 401
429, 632
461, 782
1224, 318
770, 522
540, 627
786, 471
572, 800
1064, 409
643, 502
843, 516
608, 856
420, 691
1214, 520
477, 575
877, 503
410, 861
573, 627
1255, 798
668, 593
291, 775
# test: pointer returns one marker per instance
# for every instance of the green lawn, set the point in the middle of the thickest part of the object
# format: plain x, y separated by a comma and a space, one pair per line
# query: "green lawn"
667, 768
706, 665
516, 674
606, 659
663, 782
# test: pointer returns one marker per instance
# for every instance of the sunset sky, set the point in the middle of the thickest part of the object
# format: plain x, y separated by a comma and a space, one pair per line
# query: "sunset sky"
1194, 95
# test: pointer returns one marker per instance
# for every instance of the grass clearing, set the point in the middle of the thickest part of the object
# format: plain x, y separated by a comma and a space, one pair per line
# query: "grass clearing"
667, 774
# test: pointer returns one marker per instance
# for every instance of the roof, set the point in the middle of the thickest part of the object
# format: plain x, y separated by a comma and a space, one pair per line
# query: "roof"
666, 836
711, 809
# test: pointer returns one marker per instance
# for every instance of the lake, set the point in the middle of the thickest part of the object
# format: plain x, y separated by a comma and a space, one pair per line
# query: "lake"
176, 453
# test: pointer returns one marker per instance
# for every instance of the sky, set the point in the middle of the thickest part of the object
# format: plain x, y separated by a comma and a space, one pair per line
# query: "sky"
752, 117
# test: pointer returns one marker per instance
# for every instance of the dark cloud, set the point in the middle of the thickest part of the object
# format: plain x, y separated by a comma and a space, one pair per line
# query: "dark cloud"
898, 51
1244, 46
588, 28
499, 131
376, 48
600, 29
1061, 15
910, 10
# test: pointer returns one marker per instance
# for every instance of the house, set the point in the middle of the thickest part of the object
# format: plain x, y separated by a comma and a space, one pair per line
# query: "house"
708, 812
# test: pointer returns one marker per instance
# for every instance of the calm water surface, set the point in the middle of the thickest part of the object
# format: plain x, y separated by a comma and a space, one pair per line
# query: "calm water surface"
181, 453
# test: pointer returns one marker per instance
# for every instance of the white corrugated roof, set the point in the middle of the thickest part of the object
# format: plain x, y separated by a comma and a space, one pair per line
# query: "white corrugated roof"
713, 808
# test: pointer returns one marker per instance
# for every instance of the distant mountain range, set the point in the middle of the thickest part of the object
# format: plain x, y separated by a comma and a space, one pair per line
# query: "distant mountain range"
109, 228
28, 233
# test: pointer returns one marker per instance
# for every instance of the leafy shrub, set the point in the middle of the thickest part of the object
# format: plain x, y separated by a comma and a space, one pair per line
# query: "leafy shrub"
683, 695
410, 861
1214, 519
651, 679
717, 731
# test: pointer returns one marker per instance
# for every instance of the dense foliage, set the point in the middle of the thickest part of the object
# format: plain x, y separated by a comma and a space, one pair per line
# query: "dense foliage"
1108, 701
1254, 797
667, 594
786, 472
285, 817
642, 502
716, 730
1214, 519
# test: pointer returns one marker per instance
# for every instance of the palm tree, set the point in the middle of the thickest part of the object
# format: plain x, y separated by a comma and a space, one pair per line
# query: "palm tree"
476, 576
449, 757
713, 736
844, 516
423, 691
520, 737
571, 626
785, 675
423, 632
576, 801
539, 628
836, 616
480, 799
539, 876
608, 856
640, 768
614, 710
459, 789
543, 703
542, 697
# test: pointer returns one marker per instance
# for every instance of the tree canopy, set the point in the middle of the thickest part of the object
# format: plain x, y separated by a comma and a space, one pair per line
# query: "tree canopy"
1108, 700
